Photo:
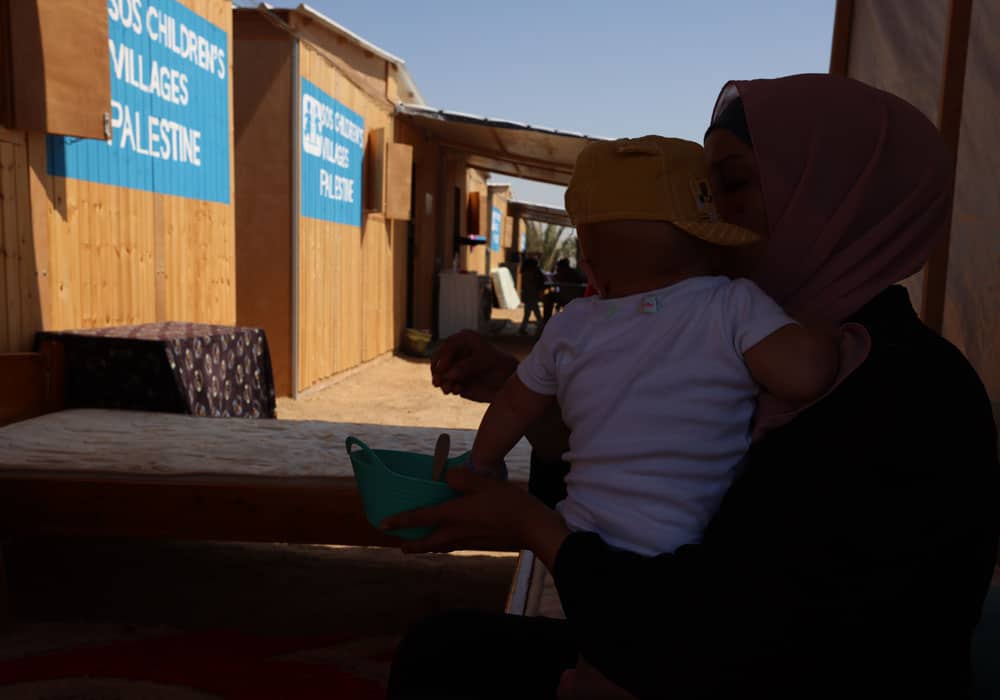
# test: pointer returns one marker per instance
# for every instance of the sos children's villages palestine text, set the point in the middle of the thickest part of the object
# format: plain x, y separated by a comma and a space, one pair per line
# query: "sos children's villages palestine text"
152, 135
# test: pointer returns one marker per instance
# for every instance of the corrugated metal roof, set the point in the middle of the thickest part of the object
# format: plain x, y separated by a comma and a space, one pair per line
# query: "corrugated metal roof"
503, 146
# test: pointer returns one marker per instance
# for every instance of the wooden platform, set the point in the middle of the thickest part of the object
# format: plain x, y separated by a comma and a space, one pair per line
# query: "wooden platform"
92, 472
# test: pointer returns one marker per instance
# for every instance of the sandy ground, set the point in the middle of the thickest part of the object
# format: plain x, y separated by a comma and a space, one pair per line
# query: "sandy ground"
388, 391
397, 391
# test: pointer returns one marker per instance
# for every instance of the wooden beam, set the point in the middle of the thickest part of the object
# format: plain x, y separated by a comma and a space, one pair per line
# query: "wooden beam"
843, 22
298, 510
511, 158
22, 386
517, 170
949, 124
544, 214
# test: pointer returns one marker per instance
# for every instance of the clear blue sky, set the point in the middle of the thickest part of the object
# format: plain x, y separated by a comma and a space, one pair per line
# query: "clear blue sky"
606, 68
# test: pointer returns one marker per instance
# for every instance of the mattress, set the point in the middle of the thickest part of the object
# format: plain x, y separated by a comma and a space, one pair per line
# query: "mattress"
506, 290
132, 443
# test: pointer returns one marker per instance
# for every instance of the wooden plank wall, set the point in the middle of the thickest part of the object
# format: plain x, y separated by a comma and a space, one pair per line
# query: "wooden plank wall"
107, 256
350, 304
473, 258
20, 307
363, 68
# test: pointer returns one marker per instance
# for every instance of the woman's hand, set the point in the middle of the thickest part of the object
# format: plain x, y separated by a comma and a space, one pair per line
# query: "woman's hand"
488, 511
468, 365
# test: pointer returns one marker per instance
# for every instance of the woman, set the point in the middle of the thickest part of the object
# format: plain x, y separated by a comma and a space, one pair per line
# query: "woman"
852, 556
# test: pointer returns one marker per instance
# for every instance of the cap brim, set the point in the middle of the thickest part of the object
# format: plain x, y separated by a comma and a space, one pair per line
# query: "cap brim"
718, 233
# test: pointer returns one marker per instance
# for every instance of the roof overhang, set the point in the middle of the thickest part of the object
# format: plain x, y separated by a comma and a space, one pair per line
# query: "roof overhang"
510, 148
539, 212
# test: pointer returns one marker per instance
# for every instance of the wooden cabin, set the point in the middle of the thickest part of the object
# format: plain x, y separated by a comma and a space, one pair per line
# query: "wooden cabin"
186, 160
323, 194
115, 165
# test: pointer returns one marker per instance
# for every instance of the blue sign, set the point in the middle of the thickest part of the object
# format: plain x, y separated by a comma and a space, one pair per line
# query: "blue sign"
333, 147
496, 229
169, 106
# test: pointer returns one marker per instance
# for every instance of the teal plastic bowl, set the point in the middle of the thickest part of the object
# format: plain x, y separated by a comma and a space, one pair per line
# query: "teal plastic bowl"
394, 482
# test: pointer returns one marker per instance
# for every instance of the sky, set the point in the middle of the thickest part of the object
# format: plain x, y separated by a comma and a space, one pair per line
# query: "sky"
608, 68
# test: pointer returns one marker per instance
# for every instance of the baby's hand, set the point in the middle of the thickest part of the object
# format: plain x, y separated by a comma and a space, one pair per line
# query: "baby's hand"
495, 471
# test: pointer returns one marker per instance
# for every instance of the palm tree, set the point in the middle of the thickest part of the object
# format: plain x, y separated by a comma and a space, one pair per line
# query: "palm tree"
550, 242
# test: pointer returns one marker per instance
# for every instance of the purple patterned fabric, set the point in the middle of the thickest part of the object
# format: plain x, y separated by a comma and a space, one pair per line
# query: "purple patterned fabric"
203, 370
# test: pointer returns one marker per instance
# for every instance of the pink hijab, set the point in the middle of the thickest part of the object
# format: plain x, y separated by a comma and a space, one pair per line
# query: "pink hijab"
857, 187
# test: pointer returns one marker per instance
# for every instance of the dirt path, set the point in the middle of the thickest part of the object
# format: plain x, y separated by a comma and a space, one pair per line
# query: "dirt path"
390, 391
393, 391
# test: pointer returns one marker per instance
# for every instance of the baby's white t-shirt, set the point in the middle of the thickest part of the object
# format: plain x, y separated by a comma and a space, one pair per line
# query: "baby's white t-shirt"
659, 403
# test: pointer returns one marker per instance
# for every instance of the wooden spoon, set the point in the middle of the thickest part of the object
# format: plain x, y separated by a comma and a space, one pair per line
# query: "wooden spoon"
440, 456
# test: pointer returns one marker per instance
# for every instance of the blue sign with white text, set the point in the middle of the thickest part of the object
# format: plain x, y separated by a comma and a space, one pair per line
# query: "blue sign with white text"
333, 147
169, 106
496, 229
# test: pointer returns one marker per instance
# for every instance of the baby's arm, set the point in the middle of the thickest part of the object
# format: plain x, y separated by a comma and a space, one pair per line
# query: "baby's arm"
514, 409
795, 363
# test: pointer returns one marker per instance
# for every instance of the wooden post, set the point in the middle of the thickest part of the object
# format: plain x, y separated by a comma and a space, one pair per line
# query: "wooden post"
6, 609
949, 124
53, 353
840, 51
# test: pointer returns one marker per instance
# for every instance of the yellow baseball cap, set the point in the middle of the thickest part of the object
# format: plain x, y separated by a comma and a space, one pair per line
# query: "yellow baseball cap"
652, 178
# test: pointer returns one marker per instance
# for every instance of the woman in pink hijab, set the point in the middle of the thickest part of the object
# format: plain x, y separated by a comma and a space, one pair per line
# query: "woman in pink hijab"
852, 556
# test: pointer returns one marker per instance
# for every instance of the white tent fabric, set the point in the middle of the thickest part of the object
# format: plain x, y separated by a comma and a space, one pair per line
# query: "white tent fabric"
972, 303
899, 47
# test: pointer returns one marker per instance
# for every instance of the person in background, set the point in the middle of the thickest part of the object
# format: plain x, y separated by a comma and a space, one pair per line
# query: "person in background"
532, 285
570, 285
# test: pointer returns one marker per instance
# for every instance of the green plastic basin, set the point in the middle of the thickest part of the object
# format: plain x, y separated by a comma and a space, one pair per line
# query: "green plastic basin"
394, 482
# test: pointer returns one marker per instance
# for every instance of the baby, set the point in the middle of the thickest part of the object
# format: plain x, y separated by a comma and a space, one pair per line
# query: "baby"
657, 376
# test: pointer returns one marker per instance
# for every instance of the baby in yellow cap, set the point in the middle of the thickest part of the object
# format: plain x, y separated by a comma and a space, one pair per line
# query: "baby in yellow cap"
657, 377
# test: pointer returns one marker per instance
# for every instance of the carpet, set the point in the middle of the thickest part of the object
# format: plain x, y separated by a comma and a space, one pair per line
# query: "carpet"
118, 619
196, 666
